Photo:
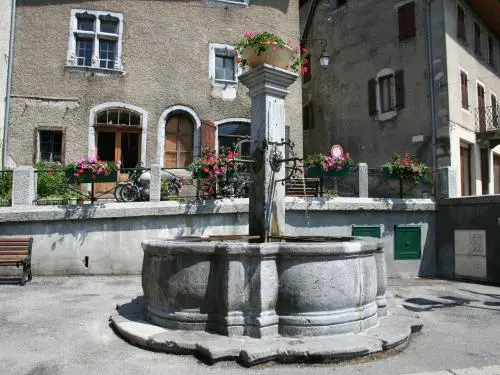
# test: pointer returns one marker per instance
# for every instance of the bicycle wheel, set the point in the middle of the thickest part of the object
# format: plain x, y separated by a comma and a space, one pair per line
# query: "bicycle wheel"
118, 193
129, 193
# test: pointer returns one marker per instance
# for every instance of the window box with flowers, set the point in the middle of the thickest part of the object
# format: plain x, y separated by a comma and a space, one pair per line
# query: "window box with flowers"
325, 165
91, 170
406, 168
214, 169
268, 48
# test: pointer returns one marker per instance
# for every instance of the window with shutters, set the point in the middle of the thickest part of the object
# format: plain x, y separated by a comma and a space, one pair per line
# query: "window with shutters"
495, 111
477, 39
481, 108
406, 15
95, 40
464, 84
386, 94
461, 30
491, 51
306, 77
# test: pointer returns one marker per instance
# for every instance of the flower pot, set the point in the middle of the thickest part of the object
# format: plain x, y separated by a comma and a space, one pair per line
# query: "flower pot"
279, 56
318, 172
86, 178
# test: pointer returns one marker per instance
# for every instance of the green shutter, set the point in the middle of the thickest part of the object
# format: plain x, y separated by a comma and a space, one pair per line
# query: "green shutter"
407, 240
366, 231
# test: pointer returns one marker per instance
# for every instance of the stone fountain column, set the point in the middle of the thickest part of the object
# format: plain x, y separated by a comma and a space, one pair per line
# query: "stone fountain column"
268, 87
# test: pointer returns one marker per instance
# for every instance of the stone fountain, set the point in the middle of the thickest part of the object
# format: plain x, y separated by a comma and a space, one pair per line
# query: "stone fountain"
268, 296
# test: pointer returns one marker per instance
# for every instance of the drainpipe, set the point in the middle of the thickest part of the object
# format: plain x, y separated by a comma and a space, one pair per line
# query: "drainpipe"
431, 85
9, 84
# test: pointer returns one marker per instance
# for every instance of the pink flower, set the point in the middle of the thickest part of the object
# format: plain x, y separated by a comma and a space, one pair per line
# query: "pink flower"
234, 52
238, 59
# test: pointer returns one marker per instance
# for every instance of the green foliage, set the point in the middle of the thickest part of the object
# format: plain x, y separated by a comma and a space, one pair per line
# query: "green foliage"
406, 167
51, 181
327, 162
5, 186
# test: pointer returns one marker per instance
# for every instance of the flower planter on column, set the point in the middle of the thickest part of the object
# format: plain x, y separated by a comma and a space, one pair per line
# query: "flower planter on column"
281, 56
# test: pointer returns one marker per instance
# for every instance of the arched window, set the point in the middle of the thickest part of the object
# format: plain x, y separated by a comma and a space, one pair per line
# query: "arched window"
179, 136
230, 134
118, 133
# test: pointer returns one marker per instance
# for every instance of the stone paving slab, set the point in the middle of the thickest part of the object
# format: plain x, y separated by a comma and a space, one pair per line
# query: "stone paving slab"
486, 370
391, 332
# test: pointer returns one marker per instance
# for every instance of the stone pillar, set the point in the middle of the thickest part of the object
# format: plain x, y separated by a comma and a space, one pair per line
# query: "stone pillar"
446, 181
155, 183
23, 186
267, 89
363, 180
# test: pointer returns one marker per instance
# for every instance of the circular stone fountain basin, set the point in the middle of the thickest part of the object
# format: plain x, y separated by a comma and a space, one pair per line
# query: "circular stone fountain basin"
238, 288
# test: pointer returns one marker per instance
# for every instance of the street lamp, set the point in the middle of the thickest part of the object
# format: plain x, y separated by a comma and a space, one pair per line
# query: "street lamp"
324, 58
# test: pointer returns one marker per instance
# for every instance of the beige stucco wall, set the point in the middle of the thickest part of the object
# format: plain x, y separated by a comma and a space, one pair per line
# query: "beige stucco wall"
462, 57
5, 16
165, 57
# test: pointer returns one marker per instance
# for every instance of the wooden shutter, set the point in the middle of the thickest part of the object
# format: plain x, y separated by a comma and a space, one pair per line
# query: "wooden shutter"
465, 90
406, 15
207, 134
372, 97
400, 89
307, 117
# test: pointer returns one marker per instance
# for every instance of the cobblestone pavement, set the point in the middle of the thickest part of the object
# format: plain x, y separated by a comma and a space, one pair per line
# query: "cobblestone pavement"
59, 326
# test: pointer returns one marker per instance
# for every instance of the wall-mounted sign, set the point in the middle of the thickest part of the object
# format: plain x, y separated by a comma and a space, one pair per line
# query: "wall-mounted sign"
417, 138
336, 151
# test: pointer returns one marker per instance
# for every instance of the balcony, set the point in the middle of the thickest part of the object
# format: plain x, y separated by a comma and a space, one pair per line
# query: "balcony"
489, 11
488, 124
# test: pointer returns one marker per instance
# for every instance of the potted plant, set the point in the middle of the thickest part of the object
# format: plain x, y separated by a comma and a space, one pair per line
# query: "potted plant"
91, 169
406, 167
327, 165
268, 48
214, 168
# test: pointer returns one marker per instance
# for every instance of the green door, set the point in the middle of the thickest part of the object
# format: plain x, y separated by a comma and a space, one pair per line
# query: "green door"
366, 231
407, 242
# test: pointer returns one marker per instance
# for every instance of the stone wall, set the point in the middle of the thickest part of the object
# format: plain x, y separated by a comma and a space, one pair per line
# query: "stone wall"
165, 62
110, 235
362, 41
475, 221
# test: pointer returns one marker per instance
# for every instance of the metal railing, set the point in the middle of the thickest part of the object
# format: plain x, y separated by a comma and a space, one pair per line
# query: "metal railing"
6, 187
380, 186
487, 119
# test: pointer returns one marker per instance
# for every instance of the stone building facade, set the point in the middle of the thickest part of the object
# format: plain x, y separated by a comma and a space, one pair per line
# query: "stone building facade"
136, 81
402, 77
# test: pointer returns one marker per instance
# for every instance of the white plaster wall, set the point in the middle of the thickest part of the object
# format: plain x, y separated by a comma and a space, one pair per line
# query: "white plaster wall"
462, 56
5, 15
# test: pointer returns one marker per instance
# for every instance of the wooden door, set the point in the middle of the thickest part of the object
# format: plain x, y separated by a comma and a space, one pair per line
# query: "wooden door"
465, 170
118, 145
178, 142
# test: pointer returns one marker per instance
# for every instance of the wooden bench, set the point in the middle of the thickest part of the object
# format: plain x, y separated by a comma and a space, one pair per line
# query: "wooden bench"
16, 251
302, 187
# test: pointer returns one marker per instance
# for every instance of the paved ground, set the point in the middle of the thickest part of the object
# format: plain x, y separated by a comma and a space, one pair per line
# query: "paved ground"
55, 326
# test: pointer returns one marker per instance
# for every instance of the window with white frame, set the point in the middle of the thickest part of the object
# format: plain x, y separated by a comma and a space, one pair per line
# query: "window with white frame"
223, 68
95, 40
222, 65
231, 134
386, 94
